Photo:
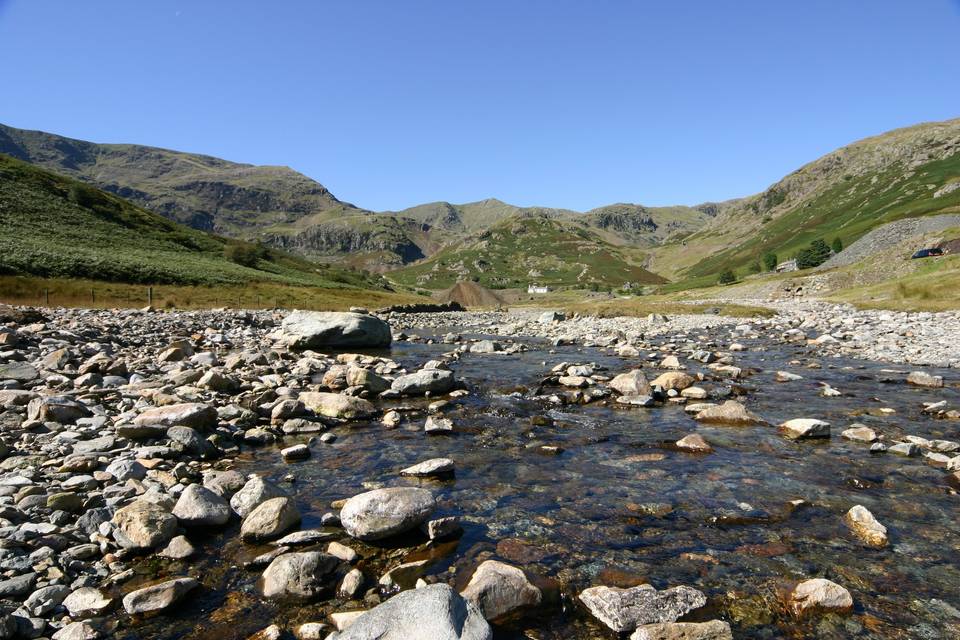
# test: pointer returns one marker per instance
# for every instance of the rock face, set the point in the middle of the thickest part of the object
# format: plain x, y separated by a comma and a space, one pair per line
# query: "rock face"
632, 383
500, 590
298, 575
713, 630
159, 596
143, 525
335, 405
624, 609
201, 507
435, 612
805, 428
334, 330
866, 527
730, 412
381, 513
424, 381
270, 519
820, 595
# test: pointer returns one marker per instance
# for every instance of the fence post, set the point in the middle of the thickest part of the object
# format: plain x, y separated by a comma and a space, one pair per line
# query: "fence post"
46, 297
93, 297
149, 296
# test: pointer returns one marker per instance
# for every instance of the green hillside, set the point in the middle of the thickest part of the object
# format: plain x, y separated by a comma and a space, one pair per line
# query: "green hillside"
56, 227
520, 251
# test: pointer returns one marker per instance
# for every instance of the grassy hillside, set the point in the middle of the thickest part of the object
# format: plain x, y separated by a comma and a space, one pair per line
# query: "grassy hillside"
904, 173
56, 227
519, 251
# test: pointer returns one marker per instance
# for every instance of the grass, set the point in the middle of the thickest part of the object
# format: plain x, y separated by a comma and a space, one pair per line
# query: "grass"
639, 307
62, 292
935, 286
520, 251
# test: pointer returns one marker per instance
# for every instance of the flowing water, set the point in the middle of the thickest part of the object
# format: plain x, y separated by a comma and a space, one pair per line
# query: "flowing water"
619, 506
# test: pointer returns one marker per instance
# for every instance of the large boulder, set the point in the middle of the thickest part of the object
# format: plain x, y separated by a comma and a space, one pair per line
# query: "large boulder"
632, 383
335, 405
143, 525
188, 414
499, 590
334, 330
270, 519
300, 575
424, 381
624, 609
730, 412
435, 612
201, 507
159, 596
381, 513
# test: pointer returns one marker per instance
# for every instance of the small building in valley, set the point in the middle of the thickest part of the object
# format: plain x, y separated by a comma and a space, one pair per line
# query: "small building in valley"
538, 288
788, 265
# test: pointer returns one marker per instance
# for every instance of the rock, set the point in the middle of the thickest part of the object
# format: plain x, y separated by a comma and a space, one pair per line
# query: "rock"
624, 609
632, 383
866, 527
343, 552
310, 631
805, 428
906, 449
77, 631
224, 483
499, 590
201, 507
404, 576
87, 602
296, 452
178, 548
270, 519
677, 380
360, 377
351, 584
713, 630
18, 371
159, 596
304, 538
337, 330
441, 528
273, 632
786, 376
19, 585
434, 612
382, 513
45, 599
255, 491
436, 425
190, 414
62, 409
730, 412
671, 362
820, 596
860, 433
424, 381
919, 378
486, 346
300, 575
143, 525
636, 401
549, 317
432, 467
335, 405
694, 443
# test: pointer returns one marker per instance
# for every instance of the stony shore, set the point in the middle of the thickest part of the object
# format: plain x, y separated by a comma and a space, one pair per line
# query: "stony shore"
119, 430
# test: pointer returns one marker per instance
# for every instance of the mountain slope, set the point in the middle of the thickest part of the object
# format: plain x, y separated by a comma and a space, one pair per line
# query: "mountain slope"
55, 226
903, 173
534, 249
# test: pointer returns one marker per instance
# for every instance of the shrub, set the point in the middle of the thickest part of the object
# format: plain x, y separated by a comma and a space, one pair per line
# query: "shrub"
755, 268
245, 255
727, 277
770, 260
837, 245
814, 255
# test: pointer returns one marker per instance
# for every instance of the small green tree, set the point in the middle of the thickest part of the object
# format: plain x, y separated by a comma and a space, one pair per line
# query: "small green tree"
770, 260
727, 277
243, 254
814, 255
837, 245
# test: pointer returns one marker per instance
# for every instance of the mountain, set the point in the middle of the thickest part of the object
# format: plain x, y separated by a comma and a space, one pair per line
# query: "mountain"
528, 249
904, 173
57, 227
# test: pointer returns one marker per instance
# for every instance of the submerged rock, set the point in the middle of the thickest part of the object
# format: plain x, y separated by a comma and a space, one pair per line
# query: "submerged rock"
730, 412
713, 630
866, 526
624, 609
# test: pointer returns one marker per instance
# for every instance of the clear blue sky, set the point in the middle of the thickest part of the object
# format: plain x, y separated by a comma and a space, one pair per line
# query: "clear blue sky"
392, 103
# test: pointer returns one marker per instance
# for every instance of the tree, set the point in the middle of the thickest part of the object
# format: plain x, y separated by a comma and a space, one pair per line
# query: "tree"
727, 277
837, 245
243, 254
770, 260
814, 255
